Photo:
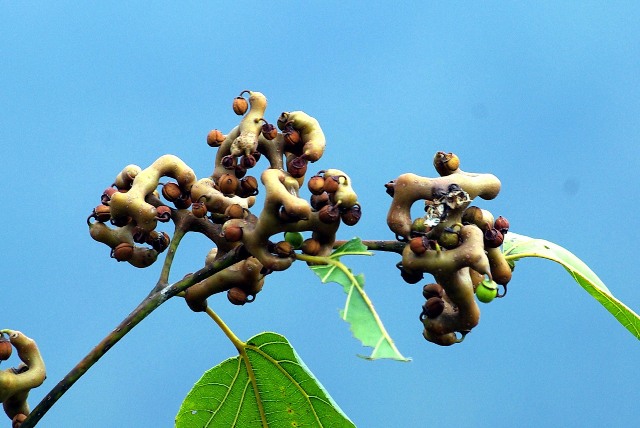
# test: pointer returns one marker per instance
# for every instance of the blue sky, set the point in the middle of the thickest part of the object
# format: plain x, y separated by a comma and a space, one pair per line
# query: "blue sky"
545, 96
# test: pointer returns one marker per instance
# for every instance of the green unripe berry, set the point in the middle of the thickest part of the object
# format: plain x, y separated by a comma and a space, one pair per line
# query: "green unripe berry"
487, 290
294, 238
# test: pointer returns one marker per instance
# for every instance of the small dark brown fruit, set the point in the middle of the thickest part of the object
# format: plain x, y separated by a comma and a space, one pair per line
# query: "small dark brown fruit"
410, 277
183, 202
351, 216
240, 171
419, 245
102, 213
390, 188
291, 136
249, 186
269, 131
283, 249
502, 224
311, 247
5, 348
215, 138
106, 195
171, 191
160, 242
493, 238
237, 296
139, 235
228, 184
473, 215
316, 185
229, 162
331, 183
297, 167
199, 209
329, 214
433, 307
234, 211
122, 252
17, 420
319, 201
232, 233
432, 290
163, 213
240, 105
248, 161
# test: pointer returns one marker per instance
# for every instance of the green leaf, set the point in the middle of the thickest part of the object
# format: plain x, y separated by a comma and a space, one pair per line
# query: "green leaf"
358, 310
518, 246
267, 385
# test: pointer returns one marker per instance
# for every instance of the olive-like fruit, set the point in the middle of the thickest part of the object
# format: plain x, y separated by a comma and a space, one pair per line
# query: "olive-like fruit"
171, 191
449, 238
215, 138
432, 290
122, 252
433, 307
294, 238
311, 247
240, 105
351, 216
446, 163
419, 226
232, 233
5, 348
487, 290
474, 215
228, 184
237, 296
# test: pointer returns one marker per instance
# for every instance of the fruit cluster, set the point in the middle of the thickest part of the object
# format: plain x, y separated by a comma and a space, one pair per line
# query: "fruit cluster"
219, 206
456, 243
16, 382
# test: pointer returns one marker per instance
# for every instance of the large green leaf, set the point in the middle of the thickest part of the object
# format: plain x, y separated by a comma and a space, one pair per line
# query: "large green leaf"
267, 385
519, 246
358, 310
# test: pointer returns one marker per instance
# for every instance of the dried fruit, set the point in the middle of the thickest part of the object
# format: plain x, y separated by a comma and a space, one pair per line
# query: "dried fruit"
228, 184
5, 348
493, 238
433, 307
160, 242
311, 247
183, 202
419, 245
229, 162
316, 185
432, 290
283, 249
163, 213
199, 209
331, 183
409, 276
171, 191
297, 166
234, 211
237, 296
122, 252
215, 138
232, 233
502, 224
319, 201
268, 130
248, 161
106, 195
291, 136
240, 105
249, 186
351, 216
329, 214
102, 213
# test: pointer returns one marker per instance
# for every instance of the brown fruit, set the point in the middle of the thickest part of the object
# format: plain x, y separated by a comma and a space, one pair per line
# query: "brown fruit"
5, 348
17, 420
171, 191
199, 209
248, 161
319, 201
502, 224
331, 183
160, 242
311, 247
234, 211
329, 214
106, 195
215, 138
432, 290
163, 213
102, 213
291, 136
283, 249
232, 233
249, 186
122, 252
418, 245
240, 105
433, 307
228, 184
446, 163
183, 202
474, 215
351, 216
229, 162
297, 167
316, 185
269, 131
237, 296
493, 238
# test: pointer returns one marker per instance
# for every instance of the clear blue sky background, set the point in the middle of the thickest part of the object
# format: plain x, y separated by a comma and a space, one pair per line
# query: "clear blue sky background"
545, 96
